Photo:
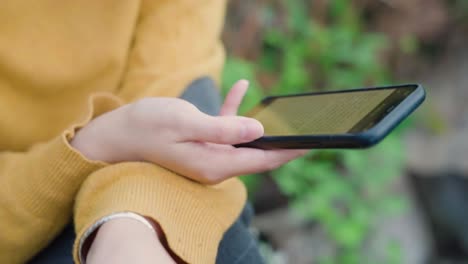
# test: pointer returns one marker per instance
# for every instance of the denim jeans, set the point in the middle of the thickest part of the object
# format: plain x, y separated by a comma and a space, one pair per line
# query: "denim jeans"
238, 246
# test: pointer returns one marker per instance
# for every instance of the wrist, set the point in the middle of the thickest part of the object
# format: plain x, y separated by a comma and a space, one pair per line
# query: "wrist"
103, 139
86, 141
123, 240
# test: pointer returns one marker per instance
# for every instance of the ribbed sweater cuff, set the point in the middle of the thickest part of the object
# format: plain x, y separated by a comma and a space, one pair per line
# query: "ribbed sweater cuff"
192, 216
60, 169
65, 169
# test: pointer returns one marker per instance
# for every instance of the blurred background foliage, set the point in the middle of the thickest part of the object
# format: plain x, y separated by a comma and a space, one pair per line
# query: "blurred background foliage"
341, 190
297, 46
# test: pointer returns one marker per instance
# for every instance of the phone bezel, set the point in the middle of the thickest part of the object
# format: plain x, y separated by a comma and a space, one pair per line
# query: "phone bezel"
363, 139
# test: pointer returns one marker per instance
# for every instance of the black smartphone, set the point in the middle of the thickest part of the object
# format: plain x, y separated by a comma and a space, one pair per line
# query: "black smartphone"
357, 118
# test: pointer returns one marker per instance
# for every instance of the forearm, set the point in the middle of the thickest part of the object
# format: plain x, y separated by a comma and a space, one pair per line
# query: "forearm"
38, 188
193, 217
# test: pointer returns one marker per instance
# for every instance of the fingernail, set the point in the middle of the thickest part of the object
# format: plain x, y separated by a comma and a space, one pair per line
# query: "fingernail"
252, 129
243, 82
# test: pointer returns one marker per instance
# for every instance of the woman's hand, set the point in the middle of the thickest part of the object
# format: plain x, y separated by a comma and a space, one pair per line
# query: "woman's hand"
174, 134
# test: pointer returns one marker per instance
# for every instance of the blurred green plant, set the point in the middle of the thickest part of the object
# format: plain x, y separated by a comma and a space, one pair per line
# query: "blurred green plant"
344, 191
460, 9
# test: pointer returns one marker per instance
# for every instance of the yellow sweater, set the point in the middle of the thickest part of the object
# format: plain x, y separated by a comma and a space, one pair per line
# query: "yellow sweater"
63, 63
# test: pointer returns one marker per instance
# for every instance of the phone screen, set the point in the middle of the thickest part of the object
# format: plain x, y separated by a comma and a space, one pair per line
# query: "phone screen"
328, 113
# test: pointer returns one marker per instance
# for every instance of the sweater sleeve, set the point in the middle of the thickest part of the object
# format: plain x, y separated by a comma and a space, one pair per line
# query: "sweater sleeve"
176, 42
38, 187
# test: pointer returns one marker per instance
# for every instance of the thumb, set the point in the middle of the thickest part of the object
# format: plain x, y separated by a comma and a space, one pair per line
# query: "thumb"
224, 129
234, 98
